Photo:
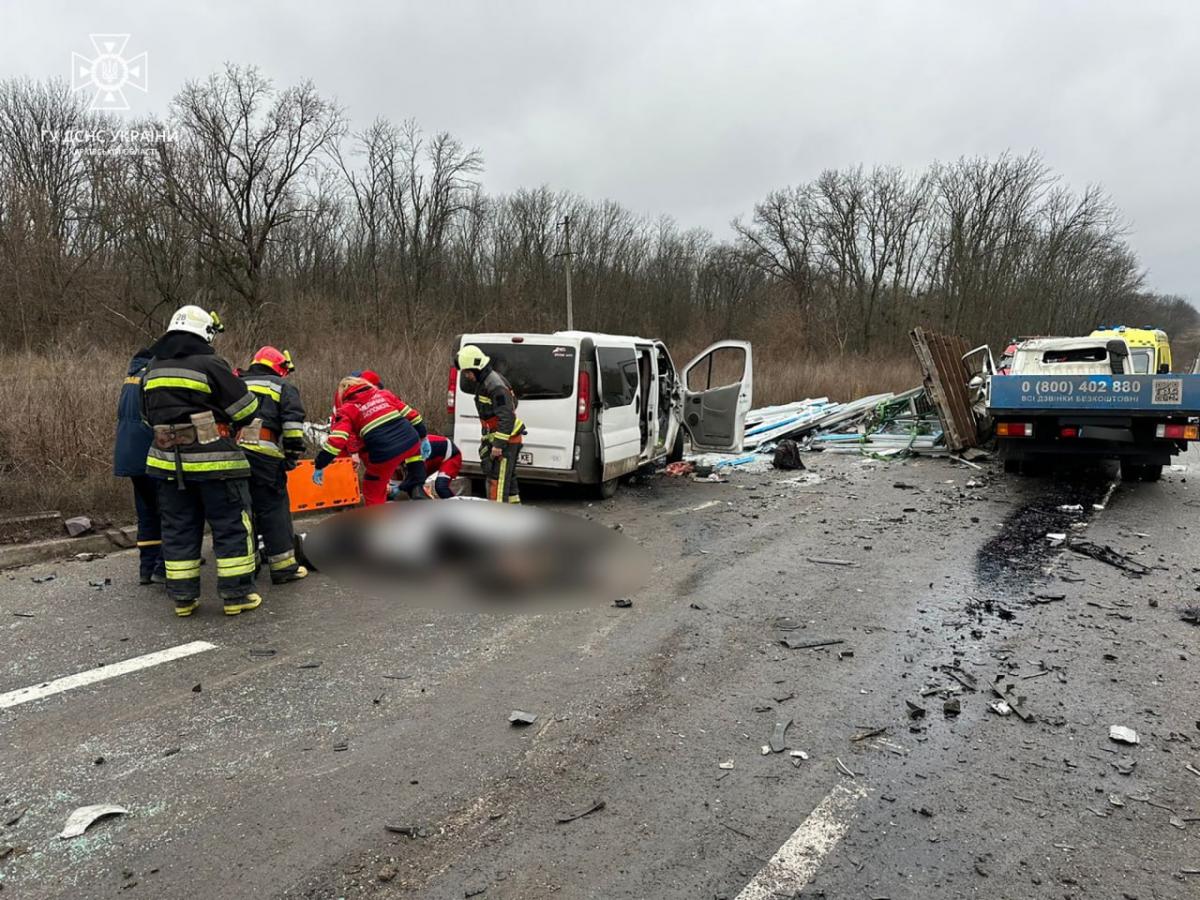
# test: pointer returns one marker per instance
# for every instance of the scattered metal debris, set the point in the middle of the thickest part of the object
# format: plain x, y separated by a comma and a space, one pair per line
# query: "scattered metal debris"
778, 740
1108, 555
564, 818
797, 644
1190, 614
1123, 735
623, 603
82, 819
42, 579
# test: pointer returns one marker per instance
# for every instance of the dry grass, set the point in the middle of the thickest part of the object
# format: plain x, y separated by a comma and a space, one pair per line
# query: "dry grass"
56, 436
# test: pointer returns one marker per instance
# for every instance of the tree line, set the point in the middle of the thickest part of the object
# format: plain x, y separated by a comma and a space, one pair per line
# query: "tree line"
262, 202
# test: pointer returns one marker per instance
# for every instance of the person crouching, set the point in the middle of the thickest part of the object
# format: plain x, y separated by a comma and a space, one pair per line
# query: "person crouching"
363, 413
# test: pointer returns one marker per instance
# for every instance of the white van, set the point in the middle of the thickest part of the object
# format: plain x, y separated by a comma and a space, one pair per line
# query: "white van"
600, 406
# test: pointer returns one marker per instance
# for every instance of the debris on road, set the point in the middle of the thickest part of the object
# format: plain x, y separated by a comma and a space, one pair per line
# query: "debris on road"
778, 739
474, 886
341, 746
42, 579
787, 456
13, 818
677, 469
845, 770
99, 583
623, 603
1191, 615
519, 718
728, 764
409, 831
797, 644
822, 561
952, 707
914, 711
83, 818
1108, 555
564, 818
1000, 707
1123, 735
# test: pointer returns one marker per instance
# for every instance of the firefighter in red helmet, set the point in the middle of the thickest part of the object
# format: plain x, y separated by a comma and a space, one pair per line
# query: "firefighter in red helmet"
273, 441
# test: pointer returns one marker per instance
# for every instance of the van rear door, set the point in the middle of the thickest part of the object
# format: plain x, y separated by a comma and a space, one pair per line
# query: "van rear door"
619, 424
718, 389
544, 373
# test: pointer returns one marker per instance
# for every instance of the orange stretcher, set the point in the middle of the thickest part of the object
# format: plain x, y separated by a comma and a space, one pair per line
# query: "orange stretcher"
340, 487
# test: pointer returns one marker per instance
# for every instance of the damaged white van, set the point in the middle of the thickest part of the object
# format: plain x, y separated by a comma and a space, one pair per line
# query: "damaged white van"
599, 406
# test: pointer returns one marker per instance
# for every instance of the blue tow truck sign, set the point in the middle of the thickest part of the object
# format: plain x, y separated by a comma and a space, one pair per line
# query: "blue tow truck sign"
1127, 393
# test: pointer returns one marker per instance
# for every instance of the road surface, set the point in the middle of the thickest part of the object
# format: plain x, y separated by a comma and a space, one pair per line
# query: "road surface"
272, 763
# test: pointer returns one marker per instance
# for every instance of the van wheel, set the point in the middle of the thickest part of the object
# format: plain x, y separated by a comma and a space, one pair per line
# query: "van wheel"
607, 489
676, 453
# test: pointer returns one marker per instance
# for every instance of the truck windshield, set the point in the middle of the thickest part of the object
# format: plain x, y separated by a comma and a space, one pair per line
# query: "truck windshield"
535, 371
1140, 361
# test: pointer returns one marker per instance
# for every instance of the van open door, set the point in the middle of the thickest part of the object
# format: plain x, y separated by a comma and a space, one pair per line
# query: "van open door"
718, 390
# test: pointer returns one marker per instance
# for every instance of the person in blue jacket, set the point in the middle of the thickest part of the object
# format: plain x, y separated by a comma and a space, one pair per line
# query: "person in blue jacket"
129, 461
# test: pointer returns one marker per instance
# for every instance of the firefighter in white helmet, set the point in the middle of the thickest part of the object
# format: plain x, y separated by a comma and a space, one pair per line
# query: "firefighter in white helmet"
502, 430
195, 404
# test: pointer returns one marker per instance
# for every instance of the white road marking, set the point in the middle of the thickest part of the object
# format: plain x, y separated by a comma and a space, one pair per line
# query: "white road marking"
795, 863
103, 673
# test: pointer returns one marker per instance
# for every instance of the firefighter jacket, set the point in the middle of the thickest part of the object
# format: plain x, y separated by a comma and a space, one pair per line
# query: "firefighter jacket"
277, 429
185, 382
133, 435
496, 405
371, 419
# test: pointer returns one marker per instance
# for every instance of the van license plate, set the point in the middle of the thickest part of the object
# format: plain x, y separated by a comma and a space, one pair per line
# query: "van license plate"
524, 458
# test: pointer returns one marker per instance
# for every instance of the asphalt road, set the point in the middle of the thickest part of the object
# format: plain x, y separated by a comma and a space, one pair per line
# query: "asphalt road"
271, 764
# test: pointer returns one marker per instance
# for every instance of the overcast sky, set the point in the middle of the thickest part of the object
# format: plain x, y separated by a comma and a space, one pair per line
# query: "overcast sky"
698, 109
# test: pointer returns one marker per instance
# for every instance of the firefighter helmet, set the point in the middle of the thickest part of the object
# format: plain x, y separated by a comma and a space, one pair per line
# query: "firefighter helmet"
195, 320
279, 361
471, 357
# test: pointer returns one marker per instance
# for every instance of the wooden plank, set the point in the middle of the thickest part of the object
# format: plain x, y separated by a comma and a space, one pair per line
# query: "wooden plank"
940, 357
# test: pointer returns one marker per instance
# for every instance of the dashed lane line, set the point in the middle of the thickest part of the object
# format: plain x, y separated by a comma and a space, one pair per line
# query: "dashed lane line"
794, 864
102, 673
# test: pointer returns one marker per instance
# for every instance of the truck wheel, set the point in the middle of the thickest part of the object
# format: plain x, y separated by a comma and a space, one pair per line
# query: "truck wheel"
676, 453
1152, 472
1131, 471
1012, 466
607, 489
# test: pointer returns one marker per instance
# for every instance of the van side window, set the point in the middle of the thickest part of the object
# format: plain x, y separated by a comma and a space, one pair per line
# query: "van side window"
618, 375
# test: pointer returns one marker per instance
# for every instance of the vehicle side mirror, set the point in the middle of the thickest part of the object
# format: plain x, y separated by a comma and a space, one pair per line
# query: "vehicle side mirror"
1117, 354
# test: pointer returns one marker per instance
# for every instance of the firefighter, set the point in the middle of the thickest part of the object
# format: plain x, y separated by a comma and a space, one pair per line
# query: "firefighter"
409, 412
129, 461
502, 430
442, 466
194, 403
368, 417
273, 441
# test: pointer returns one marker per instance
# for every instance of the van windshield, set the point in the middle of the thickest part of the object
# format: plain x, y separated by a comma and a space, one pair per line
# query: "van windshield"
535, 371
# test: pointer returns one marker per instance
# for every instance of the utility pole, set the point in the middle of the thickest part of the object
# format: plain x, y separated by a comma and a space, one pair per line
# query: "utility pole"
566, 224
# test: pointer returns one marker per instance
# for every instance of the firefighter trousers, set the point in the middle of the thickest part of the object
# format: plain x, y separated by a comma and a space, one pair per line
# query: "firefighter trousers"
501, 473
225, 504
273, 514
149, 526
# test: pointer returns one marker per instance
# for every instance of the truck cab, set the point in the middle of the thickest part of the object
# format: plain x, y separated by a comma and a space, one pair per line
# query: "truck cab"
599, 407
1149, 348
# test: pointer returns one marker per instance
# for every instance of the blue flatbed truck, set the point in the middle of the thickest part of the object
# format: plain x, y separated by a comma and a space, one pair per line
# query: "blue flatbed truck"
1140, 420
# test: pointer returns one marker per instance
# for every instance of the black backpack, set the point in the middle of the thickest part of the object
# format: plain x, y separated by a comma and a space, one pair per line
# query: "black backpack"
787, 456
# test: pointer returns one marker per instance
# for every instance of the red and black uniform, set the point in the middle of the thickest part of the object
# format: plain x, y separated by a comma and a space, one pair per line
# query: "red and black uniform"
501, 429
445, 461
374, 421
273, 441
409, 412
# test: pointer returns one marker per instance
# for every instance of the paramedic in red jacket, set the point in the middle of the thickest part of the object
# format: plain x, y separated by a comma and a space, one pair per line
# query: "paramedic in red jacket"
367, 415
444, 461
409, 412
